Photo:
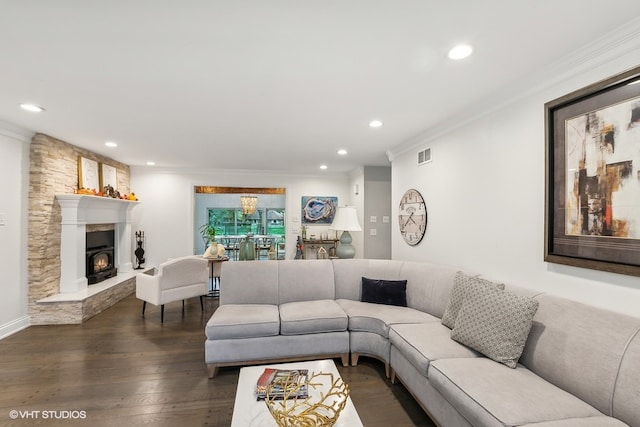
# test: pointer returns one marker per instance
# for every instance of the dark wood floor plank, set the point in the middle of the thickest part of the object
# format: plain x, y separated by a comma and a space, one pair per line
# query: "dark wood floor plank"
123, 369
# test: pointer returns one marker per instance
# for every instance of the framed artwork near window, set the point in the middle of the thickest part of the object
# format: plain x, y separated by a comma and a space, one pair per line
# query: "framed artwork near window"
592, 215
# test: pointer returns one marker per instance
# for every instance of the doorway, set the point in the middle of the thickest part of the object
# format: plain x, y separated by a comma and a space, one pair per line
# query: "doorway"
221, 208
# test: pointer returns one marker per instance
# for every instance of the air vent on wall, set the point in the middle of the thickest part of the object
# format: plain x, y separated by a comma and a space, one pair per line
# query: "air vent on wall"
424, 156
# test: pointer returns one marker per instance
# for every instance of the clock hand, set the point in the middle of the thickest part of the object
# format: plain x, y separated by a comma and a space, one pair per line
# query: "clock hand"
406, 223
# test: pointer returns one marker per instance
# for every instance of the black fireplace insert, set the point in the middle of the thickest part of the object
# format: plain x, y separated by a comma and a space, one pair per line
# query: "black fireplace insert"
100, 252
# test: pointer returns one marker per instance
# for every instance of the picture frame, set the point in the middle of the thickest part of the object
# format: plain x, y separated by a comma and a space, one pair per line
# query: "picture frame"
108, 176
592, 177
88, 174
318, 209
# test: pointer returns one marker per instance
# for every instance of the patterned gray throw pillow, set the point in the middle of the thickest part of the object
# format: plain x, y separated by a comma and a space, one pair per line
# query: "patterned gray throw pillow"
496, 323
461, 283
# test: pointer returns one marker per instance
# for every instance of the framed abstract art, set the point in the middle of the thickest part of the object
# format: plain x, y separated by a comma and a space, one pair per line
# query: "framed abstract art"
593, 176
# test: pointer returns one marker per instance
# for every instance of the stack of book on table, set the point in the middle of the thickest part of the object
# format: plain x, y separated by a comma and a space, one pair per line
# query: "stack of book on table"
283, 384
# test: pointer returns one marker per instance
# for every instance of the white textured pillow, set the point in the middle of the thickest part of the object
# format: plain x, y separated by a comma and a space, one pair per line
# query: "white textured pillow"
461, 283
496, 323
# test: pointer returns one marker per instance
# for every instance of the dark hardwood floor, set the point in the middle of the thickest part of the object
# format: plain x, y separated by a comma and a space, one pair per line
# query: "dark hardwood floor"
120, 369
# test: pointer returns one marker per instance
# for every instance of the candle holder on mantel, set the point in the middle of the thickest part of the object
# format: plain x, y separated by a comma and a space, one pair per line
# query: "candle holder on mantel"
139, 252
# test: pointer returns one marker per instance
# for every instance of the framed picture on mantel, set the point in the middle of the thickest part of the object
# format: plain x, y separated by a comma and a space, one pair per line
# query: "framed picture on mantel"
108, 176
88, 174
593, 176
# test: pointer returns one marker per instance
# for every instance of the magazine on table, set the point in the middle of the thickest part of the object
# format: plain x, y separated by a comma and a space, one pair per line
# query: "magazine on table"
283, 383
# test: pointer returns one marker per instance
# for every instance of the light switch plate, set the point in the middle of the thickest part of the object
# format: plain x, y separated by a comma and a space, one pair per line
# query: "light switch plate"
373, 232
385, 218
373, 218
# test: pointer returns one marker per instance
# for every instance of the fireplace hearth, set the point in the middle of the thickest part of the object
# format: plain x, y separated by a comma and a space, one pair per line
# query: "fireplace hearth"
100, 256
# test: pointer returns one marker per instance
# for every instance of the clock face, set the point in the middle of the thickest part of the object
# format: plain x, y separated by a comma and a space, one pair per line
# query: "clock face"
412, 217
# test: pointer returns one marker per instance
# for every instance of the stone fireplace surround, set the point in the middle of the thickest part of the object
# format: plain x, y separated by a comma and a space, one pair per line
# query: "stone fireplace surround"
78, 300
53, 170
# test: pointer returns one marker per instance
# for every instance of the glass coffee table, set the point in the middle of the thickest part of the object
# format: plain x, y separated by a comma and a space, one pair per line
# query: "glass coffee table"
250, 412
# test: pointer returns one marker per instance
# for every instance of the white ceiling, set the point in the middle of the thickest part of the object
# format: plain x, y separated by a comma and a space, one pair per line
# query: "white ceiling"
274, 85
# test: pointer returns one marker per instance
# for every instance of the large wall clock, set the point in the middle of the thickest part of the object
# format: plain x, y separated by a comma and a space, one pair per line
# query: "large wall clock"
412, 217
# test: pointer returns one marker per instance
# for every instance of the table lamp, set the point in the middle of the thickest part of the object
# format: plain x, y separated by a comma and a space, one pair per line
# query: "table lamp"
346, 220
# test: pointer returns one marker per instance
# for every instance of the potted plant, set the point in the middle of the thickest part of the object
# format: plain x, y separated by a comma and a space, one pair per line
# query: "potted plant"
208, 232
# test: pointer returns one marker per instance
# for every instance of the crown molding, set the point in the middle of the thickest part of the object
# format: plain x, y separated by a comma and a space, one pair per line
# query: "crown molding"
15, 132
623, 41
232, 172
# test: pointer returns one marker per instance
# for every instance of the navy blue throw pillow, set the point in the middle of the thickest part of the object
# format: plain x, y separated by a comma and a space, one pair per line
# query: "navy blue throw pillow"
389, 292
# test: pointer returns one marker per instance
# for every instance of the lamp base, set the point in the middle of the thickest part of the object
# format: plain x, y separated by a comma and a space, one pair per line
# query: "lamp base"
345, 249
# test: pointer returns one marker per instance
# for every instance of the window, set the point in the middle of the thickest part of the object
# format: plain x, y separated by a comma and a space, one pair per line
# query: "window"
232, 222
275, 222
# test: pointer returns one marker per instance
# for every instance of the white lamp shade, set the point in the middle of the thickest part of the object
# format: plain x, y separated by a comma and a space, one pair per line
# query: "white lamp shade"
346, 219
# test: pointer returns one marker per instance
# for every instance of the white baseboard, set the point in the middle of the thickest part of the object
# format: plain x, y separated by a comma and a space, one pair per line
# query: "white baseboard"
14, 326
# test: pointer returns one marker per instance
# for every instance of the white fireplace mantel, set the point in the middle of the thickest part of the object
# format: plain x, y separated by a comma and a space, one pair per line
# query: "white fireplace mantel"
78, 211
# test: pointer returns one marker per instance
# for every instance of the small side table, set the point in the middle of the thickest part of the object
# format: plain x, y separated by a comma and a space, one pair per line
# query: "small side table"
215, 265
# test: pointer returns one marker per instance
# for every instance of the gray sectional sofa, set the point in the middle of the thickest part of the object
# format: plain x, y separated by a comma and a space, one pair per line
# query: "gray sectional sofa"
579, 365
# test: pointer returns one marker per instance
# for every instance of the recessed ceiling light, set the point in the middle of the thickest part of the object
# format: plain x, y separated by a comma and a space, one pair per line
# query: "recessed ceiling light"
150, 163
32, 107
460, 51
375, 123
342, 152
111, 144
323, 167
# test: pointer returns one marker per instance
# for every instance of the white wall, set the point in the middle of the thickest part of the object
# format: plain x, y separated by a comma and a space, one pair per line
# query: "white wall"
166, 213
485, 198
14, 174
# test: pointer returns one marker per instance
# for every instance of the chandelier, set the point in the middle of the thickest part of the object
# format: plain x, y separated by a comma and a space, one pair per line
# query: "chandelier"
248, 204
